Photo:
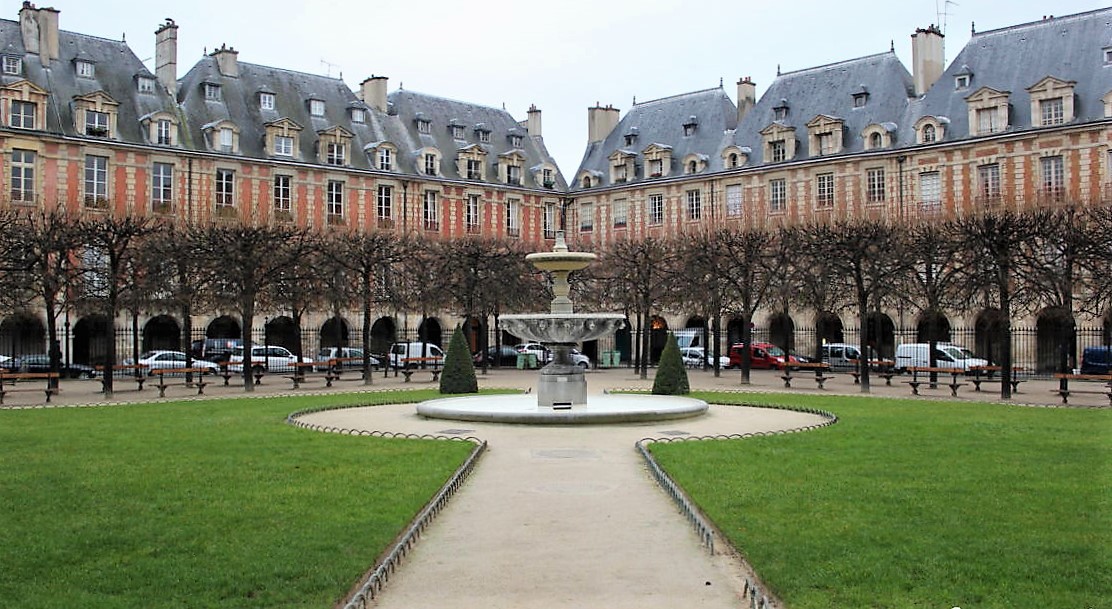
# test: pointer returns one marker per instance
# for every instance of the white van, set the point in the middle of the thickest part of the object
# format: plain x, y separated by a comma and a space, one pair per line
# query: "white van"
841, 356
946, 355
403, 351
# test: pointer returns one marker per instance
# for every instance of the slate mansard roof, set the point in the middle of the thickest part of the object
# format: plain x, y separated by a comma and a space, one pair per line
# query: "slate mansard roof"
116, 70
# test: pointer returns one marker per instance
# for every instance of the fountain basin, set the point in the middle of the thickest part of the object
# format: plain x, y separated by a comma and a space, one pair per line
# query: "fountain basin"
599, 409
565, 328
561, 261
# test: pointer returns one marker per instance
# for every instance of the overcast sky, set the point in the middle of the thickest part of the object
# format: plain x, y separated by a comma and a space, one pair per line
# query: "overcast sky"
562, 56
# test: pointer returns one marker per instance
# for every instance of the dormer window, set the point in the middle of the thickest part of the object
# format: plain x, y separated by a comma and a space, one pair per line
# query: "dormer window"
484, 136
458, 132
13, 64
689, 126
145, 85
336, 154
358, 115
929, 135
513, 175
630, 138
732, 160
266, 101
656, 168
212, 91
1052, 102
780, 111
547, 180
1107, 56
164, 132
316, 107
385, 159
424, 126
860, 99
515, 141
876, 140
223, 136
283, 145
96, 123
961, 81
227, 139
86, 69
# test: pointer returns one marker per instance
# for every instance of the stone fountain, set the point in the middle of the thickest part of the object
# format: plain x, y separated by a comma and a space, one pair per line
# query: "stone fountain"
562, 390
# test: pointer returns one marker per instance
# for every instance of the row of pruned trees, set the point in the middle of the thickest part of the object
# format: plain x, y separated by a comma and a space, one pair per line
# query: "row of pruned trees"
127, 266
1012, 261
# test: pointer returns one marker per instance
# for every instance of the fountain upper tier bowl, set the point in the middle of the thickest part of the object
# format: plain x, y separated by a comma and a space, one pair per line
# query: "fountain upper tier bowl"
567, 328
561, 260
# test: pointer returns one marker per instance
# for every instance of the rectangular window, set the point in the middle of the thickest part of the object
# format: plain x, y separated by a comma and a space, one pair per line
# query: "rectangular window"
385, 159
471, 213
266, 101
335, 201
358, 116
212, 91
283, 193
474, 169
656, 209
145, 85
988, 182
86, 69
225, 187
988, 121
162, 132
733, 200
549, 220
96, 123
778, 150
430, 164
513, 218
385, 202
337, 154
96, 181
1053, 177
431, 211
826, 143
227, 140
586, 217
619, 210
620, 173
656, 168
546, 178
13, 65
930, 190
515, 141
457, 132
162, 187
316, 107
513, 174
1053, 111
22, 115
423, 126
875, 188
484, 137
777, 195
23, 175
824, 190
283, 145
694, 205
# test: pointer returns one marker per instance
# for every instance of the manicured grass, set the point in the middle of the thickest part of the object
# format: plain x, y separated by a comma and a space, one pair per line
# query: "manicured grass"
201, 504
916, 504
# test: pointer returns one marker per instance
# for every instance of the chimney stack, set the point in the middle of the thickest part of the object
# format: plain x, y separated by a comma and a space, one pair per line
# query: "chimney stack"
926, 58
746, 97
166, 56
373, 92
533, 122
227, 60
39, 29
601, 121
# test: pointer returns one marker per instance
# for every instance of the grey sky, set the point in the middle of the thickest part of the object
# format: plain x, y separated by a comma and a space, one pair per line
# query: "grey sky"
562, 56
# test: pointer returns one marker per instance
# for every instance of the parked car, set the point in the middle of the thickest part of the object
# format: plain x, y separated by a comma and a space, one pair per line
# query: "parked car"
40, 362
1096, 360
214, 349
171, 359
762, 356
946, 355
496, 356
579, 359
268, 358
696, 357
540, 351
843, 356
7, 363
328, 353
402, 351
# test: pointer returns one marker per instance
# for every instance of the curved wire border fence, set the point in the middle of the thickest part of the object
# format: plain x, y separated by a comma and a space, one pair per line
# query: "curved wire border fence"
703, 528
376, 579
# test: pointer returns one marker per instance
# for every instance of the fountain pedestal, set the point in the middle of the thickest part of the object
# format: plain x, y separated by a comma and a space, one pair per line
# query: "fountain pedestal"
562, 384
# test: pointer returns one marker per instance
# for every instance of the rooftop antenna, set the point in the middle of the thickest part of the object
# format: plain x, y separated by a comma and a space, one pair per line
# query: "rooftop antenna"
328, 66
942, 9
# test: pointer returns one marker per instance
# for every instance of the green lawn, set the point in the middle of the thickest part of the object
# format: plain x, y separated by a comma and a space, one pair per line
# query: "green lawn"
201, 504
916, 504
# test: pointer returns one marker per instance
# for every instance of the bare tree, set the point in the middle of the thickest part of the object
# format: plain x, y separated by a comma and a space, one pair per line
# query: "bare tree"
931, 281
1096, 260
181, 274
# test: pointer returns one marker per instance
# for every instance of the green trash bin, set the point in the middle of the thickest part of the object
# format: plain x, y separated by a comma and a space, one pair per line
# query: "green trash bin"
531, 359
611, 359
522, 361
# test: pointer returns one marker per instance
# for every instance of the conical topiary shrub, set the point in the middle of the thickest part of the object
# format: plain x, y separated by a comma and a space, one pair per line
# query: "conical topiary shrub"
671, 376
459, 372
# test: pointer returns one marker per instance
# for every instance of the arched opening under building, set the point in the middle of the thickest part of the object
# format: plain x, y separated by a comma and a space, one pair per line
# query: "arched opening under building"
224, 326
383, 333
828, 328
988, 335
933, 325
430, 332
90, 340
162, 333
1106, 335
281, 331
781, 331
474, 332
880, 334
22, 334
658, 338
334, 333
1056, 341
623, 342
735, 330
696, 333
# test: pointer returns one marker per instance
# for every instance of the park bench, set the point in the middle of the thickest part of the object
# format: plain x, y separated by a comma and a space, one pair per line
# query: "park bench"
981, 374
410, 366
915, 381
8, 382
162, 373
821, 373
298, 374
1064, 390
137, 373
227, 372
885, 369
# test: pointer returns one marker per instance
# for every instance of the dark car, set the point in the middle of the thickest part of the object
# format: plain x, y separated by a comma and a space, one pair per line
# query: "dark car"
40, 362
215, 349
1096, 360
495, 356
